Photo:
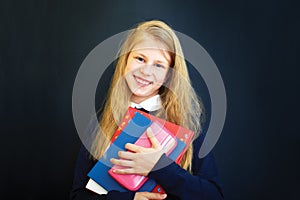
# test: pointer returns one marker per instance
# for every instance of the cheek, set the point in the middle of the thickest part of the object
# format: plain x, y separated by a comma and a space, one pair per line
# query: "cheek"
131, 66
160, 77
127, 69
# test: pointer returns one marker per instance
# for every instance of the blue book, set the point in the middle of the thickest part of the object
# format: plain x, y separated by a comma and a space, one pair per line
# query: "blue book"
134, 129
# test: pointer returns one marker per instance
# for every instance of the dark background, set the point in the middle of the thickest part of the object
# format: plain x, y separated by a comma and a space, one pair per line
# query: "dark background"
255, 45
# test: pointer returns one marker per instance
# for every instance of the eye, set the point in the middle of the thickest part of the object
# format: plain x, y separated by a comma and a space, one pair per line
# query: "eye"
159, 65
140, 59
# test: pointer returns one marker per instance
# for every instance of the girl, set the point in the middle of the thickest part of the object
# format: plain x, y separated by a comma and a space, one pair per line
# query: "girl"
151, 74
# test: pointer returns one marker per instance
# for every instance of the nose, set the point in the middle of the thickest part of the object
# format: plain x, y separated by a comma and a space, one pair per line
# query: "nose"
146, 69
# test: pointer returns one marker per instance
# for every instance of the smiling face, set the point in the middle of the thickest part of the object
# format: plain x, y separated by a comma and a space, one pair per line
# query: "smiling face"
146, 69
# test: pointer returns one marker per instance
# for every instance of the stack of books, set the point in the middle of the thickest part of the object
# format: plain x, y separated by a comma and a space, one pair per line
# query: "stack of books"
133, 129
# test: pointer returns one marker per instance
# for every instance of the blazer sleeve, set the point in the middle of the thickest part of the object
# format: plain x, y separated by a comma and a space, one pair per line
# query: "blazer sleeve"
202, 184
83, 165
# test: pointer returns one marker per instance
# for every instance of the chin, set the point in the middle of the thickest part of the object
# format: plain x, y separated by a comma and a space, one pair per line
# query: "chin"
139, 94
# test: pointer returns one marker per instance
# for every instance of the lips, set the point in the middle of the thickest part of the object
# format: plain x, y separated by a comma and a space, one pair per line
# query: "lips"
142, 82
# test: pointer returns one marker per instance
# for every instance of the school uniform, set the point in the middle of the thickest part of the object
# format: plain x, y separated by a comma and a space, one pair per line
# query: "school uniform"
202, 184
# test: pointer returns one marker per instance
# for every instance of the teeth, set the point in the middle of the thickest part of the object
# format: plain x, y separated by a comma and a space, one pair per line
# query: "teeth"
142, 81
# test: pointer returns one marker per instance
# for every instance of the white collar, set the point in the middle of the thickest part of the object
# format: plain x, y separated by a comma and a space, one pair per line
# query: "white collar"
151, 104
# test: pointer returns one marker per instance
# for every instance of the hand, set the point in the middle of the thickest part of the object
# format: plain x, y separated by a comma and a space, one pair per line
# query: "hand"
140, 160
148, 196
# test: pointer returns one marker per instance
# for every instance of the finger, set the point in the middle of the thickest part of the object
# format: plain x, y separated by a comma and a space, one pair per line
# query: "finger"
126, 155
155, 143
170, 144
134, 148
121, 162
153, 195
124, 171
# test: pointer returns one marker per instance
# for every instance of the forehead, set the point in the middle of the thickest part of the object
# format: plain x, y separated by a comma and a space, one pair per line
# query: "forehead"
152, 48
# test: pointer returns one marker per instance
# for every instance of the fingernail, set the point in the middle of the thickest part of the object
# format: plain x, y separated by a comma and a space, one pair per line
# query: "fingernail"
149, 131
163, 195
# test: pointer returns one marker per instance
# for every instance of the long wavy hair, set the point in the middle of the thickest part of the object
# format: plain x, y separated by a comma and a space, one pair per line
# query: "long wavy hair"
179, 100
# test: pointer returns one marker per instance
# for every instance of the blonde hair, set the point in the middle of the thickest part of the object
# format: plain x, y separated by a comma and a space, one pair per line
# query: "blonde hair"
179, 100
